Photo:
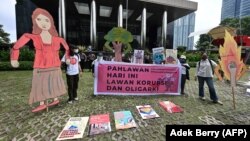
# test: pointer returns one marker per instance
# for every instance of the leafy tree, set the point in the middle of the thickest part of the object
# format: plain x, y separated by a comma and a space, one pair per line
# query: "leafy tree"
242, 26
181, 49
204, 42
4, 37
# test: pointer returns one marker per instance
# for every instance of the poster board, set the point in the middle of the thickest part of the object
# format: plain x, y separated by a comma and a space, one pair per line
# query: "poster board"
138, 57
171, 56
74, 128
158, 55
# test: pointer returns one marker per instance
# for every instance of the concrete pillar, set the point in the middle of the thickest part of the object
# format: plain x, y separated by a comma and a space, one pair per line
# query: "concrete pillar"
164, 29
62, 19
143, 28
93, 24
120, 16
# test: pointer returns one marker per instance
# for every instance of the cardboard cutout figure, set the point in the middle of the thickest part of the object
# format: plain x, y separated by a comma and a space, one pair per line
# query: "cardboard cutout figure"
231, 63
47, 79
119, 36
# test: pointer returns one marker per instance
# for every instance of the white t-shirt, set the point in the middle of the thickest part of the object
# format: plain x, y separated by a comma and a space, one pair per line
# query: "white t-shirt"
73, 67
183, 68
205, 69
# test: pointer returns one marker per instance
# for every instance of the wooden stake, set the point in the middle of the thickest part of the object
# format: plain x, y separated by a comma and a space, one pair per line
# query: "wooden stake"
47, 106
233, 97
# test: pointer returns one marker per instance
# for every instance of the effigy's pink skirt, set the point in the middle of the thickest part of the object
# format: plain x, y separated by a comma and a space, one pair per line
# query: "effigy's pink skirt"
46, 83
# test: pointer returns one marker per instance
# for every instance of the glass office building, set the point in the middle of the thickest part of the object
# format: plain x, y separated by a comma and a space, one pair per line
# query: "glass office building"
235, 9
85, 22
245, 8
182, 28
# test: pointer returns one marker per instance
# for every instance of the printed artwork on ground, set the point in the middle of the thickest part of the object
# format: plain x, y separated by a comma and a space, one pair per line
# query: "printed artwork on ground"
147, 112
124, 120
99, 124
74, 128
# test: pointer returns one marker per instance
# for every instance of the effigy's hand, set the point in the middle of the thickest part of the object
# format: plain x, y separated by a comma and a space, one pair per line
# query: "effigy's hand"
14, 63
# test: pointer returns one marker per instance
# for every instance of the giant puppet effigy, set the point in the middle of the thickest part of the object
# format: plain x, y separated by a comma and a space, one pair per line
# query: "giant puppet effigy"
47, 82
119, 36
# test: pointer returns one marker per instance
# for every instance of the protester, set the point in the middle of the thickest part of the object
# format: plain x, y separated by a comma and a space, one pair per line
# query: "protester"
83, 58
205, 72
72, 73
184, 72
99, 58
91, 58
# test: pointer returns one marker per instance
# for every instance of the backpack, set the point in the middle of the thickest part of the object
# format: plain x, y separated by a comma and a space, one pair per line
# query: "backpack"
210, 65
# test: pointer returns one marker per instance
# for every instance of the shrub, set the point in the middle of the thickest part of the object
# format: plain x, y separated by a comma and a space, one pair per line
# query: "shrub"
23, 65
193, 57
25, 55
214, 57
192, 64
4, 55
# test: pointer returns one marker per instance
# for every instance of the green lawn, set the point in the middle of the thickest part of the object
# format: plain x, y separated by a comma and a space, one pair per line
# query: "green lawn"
17, 121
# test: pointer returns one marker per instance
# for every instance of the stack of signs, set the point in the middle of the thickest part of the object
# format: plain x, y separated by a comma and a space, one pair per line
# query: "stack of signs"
74, 128
158, 55
99, 124
138, 56
147, 112
170, 107
124, 120
171, 56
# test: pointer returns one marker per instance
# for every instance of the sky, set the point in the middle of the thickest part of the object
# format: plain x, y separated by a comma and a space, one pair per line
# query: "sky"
207, 16
8, 18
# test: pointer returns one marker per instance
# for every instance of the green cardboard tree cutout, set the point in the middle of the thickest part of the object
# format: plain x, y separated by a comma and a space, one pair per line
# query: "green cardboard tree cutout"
118, 36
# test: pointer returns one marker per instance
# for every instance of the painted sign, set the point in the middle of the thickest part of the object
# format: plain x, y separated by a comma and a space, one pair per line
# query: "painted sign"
171, 56
138, 56
116, 78
158, 55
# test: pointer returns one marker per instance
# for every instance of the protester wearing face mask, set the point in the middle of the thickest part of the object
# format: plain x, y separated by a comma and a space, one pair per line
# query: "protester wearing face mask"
184, 73
72, 73
205, 73
98, 59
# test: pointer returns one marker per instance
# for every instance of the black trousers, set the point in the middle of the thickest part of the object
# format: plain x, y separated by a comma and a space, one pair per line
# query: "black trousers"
183, 81
72, 82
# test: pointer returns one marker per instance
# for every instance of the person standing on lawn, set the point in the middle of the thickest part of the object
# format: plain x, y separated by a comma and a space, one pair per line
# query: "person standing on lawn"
72, 73
184, 73
205, 72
